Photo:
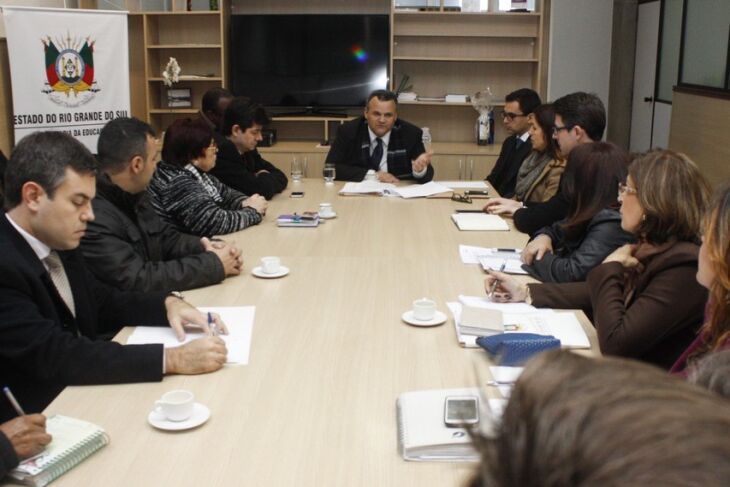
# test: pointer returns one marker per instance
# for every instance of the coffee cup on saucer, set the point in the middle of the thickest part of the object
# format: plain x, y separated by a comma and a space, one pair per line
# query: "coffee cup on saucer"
270, 265
424, 309
176, 405
326, 210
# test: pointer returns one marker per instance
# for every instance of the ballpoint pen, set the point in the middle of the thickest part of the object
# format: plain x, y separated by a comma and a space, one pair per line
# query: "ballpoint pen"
494, 284
13, 401
211, 325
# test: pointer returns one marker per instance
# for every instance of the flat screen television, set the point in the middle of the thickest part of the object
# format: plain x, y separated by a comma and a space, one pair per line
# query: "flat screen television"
312, 61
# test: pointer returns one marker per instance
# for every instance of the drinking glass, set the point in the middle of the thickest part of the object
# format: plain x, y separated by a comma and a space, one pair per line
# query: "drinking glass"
296, 168
329, 173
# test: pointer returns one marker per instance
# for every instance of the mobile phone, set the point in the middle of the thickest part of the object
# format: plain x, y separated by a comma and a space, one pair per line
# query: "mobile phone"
297, 194
461, 410
476, 192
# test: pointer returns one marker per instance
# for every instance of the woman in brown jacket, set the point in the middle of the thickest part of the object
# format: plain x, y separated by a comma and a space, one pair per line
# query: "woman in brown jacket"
539, 176
644, 300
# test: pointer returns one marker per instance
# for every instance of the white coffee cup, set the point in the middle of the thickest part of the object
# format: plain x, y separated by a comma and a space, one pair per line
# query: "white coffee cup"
176, 405
325, 209
424, 309
270, 265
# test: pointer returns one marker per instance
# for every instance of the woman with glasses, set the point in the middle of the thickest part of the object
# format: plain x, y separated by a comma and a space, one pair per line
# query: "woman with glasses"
713, 273
186, 196
539, 175
568, 249
644, 299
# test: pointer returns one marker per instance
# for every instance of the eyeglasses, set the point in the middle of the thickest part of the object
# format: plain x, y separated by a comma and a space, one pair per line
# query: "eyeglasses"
624, 188
557, 129
461, 198
213, 147
510, 115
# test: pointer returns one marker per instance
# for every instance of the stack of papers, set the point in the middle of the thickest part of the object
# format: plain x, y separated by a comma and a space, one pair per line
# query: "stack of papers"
456, 98
387, 189
238, 319
479, 222
492, 258
464, 184
521, 317
407, 96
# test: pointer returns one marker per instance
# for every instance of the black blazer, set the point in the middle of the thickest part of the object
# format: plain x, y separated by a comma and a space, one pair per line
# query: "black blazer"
238, 171
504, 174
350, 152
43, 347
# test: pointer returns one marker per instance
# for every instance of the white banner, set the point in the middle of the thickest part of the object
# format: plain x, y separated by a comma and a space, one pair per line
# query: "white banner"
69, 70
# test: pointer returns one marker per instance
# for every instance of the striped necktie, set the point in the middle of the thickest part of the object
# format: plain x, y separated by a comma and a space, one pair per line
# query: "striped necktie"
60, 280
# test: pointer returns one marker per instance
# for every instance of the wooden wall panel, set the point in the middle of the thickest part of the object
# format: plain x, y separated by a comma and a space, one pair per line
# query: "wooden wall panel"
699, 129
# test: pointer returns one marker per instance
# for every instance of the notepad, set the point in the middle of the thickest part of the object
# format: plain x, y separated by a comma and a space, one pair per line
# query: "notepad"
479, 222
73, 441
422, 434
238, 319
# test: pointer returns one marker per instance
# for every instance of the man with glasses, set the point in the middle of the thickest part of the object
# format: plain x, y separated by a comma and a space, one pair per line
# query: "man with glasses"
518, 105
580, 118
128, 246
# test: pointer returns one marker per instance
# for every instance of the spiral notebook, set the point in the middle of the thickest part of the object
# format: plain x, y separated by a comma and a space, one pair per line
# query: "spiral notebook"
73, 441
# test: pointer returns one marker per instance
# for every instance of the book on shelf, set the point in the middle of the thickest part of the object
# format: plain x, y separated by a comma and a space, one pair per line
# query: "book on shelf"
424, 437
73, 441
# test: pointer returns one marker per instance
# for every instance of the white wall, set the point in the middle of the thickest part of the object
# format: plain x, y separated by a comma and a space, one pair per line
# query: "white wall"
27, 3
580, 47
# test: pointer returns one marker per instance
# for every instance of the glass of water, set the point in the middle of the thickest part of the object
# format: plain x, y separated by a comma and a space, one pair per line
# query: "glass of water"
297, 168
329, 173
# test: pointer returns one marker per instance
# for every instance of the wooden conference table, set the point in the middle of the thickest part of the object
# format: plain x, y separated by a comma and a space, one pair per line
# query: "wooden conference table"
315, 406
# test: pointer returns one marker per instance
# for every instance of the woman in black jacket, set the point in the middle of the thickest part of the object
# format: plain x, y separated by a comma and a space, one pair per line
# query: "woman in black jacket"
568, 249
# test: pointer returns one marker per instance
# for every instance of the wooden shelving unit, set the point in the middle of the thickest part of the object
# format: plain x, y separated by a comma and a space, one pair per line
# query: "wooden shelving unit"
445, 52
197, 40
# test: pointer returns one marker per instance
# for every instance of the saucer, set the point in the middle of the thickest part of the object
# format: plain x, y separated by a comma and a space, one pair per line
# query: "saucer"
438, 319
329, 216
200, 415
256, 271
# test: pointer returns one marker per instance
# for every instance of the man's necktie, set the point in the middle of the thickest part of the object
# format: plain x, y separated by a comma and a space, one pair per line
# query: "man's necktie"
60, 280
377, 154
518, 143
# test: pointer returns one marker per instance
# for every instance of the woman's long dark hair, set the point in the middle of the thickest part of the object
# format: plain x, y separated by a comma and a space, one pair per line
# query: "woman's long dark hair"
544, 117
590, 183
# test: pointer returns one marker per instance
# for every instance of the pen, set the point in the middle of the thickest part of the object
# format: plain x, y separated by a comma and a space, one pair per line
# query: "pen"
508, 250
13, 401
469, 211
212, 325
494, 284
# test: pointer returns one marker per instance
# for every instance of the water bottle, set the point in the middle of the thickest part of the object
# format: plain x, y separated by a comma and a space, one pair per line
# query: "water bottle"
490, 139
482, 129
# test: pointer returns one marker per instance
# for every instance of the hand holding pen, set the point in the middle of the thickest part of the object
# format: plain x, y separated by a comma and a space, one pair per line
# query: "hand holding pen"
503, 288
490, 293
26, 433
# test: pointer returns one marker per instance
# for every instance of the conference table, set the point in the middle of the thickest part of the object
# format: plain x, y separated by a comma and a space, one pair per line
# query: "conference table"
315, 405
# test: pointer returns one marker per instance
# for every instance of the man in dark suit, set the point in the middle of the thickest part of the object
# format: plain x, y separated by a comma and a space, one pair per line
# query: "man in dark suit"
381, 142
518, 105
239, 165
52, 309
